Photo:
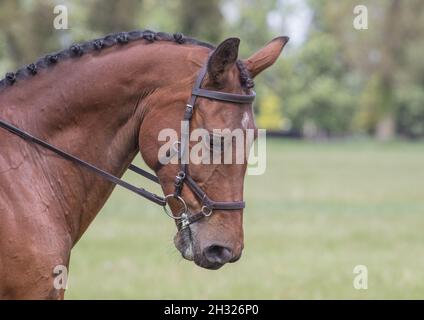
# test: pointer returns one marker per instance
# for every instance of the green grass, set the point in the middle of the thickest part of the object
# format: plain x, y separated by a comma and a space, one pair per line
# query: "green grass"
319, 210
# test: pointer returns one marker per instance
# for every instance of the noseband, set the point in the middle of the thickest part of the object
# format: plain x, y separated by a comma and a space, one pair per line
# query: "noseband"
183, 177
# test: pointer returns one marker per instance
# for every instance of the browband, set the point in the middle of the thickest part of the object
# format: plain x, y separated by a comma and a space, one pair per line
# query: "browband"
224, 96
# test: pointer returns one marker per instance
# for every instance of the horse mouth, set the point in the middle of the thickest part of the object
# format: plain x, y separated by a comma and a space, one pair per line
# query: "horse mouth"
184, 243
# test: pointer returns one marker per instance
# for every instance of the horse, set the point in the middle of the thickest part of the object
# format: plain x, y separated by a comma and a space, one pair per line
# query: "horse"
104, 101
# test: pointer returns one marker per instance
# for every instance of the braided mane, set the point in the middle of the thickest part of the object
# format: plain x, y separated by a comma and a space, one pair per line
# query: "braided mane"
121, 38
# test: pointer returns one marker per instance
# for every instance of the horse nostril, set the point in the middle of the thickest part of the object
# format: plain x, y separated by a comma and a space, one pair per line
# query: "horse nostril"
218, 254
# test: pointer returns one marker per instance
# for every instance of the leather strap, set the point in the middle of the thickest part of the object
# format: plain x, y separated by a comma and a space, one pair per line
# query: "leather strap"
115, 180
143, 173
211, 204
224, 96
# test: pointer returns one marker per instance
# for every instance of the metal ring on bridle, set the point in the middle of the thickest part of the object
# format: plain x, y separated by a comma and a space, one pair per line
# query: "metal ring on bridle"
181, 175
206, 211
169, 212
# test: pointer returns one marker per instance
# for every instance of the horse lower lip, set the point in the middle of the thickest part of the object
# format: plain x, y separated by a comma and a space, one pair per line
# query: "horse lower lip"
184, 245
209, 266
188, 252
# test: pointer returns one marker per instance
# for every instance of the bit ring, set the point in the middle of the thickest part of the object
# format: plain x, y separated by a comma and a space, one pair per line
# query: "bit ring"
169, 212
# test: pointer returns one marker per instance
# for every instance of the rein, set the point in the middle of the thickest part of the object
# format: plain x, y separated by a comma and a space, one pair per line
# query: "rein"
184, 220
111, 178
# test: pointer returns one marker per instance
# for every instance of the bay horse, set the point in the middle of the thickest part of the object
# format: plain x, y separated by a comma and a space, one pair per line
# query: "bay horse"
104, 101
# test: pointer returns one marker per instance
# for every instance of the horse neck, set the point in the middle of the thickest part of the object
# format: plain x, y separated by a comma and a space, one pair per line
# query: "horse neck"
92, 107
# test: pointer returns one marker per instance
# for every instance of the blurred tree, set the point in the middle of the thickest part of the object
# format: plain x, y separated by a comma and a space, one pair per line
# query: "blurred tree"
107, 16
270, 115
201, 18
370, 103
339, 81
160, 15
249, 22
410, 119
394, 27
318, 98
27, 29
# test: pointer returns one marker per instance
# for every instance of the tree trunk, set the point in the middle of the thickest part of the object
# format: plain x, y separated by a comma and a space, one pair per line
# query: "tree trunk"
385, 129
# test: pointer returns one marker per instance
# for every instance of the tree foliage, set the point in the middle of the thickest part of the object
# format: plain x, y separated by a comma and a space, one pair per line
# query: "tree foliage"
337, 81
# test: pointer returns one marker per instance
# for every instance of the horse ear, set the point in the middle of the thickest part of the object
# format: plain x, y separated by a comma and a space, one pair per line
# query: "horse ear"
266, 56
222, 59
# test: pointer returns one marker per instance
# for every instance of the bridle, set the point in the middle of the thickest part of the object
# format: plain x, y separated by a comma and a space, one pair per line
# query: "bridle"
207, 205
183, 177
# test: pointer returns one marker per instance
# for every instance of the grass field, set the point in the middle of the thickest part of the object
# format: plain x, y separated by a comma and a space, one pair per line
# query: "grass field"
320, 210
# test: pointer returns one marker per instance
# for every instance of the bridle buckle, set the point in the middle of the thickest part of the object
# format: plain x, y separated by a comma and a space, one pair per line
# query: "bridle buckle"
207, 211
179, 178
188, 111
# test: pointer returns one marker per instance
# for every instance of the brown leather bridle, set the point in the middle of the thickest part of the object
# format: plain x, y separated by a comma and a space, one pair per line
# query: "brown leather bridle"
207, 205
185, 218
